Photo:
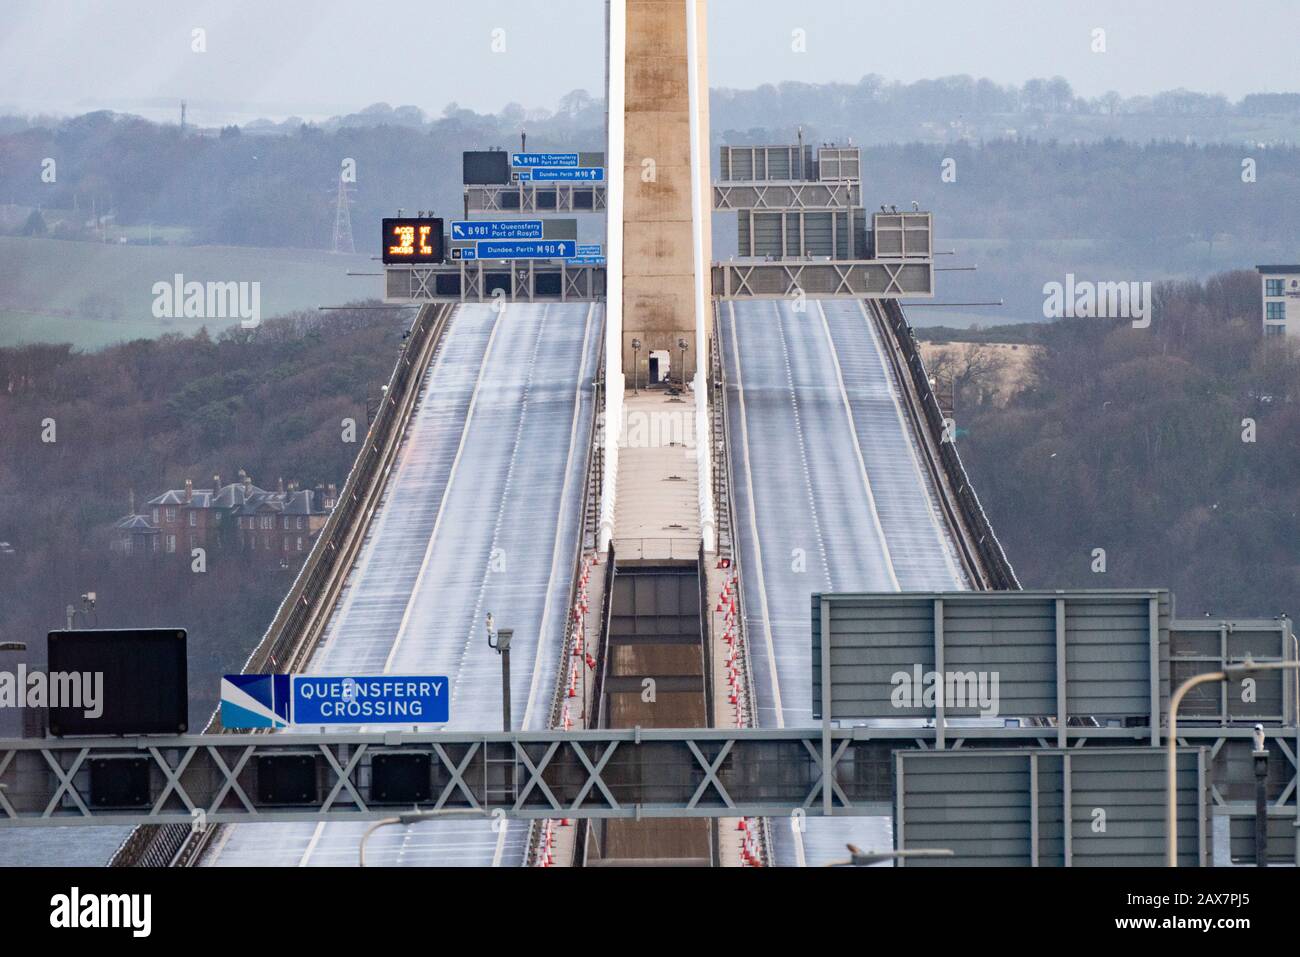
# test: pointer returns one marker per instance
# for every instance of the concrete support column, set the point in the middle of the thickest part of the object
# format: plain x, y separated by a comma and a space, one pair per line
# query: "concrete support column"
616, 15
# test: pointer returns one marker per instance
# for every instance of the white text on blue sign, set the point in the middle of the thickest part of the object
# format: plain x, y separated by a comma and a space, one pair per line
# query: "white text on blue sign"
370, 699
497, 229
546, 249
544, 159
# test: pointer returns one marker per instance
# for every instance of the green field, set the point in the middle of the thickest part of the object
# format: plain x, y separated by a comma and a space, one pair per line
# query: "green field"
93, 294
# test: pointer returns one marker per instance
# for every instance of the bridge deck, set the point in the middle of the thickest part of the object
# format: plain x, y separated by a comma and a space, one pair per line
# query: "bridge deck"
481, 514
829, 495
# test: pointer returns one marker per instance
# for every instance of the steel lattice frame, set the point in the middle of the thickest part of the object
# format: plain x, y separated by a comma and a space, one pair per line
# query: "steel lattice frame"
632, 773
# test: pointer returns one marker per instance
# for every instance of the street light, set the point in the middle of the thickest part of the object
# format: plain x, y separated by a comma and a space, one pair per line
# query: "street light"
1260, 755
415, 817
499, 641
13, 646
636, 346
681, 344
1171, 764
87, 606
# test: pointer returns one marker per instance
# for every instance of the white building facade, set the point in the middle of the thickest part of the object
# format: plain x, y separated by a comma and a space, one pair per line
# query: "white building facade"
1281, 287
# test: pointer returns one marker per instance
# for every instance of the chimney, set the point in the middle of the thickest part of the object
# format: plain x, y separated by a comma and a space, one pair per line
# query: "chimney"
189, 491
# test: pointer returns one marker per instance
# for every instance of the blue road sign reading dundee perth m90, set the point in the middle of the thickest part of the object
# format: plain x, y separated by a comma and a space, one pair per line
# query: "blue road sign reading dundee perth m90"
277, 701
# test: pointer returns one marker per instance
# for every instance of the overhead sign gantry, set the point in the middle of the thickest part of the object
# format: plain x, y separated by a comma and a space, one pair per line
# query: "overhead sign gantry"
513, 256
802, 228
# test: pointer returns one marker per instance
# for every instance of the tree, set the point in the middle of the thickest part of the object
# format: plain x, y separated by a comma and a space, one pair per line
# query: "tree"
35, 225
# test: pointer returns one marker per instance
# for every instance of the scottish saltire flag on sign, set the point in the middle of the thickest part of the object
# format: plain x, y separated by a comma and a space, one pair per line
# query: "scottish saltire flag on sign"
255, 701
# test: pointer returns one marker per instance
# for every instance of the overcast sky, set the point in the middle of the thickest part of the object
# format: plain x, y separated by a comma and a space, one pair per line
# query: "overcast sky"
316, 58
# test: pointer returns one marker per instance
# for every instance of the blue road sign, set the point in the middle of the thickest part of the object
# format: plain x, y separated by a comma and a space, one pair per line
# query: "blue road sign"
370, 699
279, 701
540, 249
588, 254
497, 229
544, 159
556, 174
255, 701
464, 252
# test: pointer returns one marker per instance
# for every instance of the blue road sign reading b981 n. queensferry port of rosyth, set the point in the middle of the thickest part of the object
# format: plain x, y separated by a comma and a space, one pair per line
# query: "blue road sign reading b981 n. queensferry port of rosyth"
497, 229
543, 159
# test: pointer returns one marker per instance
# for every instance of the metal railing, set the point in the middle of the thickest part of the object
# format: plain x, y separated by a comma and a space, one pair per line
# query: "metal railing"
725, 506
302, 615
993, 565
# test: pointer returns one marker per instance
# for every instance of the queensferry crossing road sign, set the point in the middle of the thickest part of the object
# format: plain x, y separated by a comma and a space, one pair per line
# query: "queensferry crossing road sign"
281, 701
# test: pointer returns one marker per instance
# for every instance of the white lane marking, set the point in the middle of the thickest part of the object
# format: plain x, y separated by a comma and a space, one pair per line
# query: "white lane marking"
410, 601
505, 493
446, 493
753, 526
939, 526
857, 450
359, 572
803, 450
311, 845
555, 553
559, 525
800, 858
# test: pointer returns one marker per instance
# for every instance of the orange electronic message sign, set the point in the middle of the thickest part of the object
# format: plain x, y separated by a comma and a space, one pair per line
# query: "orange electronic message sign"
412, 240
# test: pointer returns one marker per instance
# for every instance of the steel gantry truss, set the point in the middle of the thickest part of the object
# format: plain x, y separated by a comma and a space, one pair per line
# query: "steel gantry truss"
848, 279
620, 773
484, 280
522, 197
793, 194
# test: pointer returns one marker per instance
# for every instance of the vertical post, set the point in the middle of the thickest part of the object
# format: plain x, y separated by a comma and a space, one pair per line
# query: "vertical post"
505, 690
616, 13
1062, 705
940, 683
1261, 807
1223, 663
1153, 646
1033, 809
697, 92
900, 837
827, 805
1067, 818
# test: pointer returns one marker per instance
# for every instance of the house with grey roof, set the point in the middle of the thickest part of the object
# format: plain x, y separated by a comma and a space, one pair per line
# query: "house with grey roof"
237, 516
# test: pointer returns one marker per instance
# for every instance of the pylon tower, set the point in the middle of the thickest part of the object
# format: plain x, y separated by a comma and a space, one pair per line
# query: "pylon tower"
343, 221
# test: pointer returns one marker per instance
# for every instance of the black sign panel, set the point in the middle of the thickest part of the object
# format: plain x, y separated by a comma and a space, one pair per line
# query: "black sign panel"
486, 167
412, 240
130, 681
